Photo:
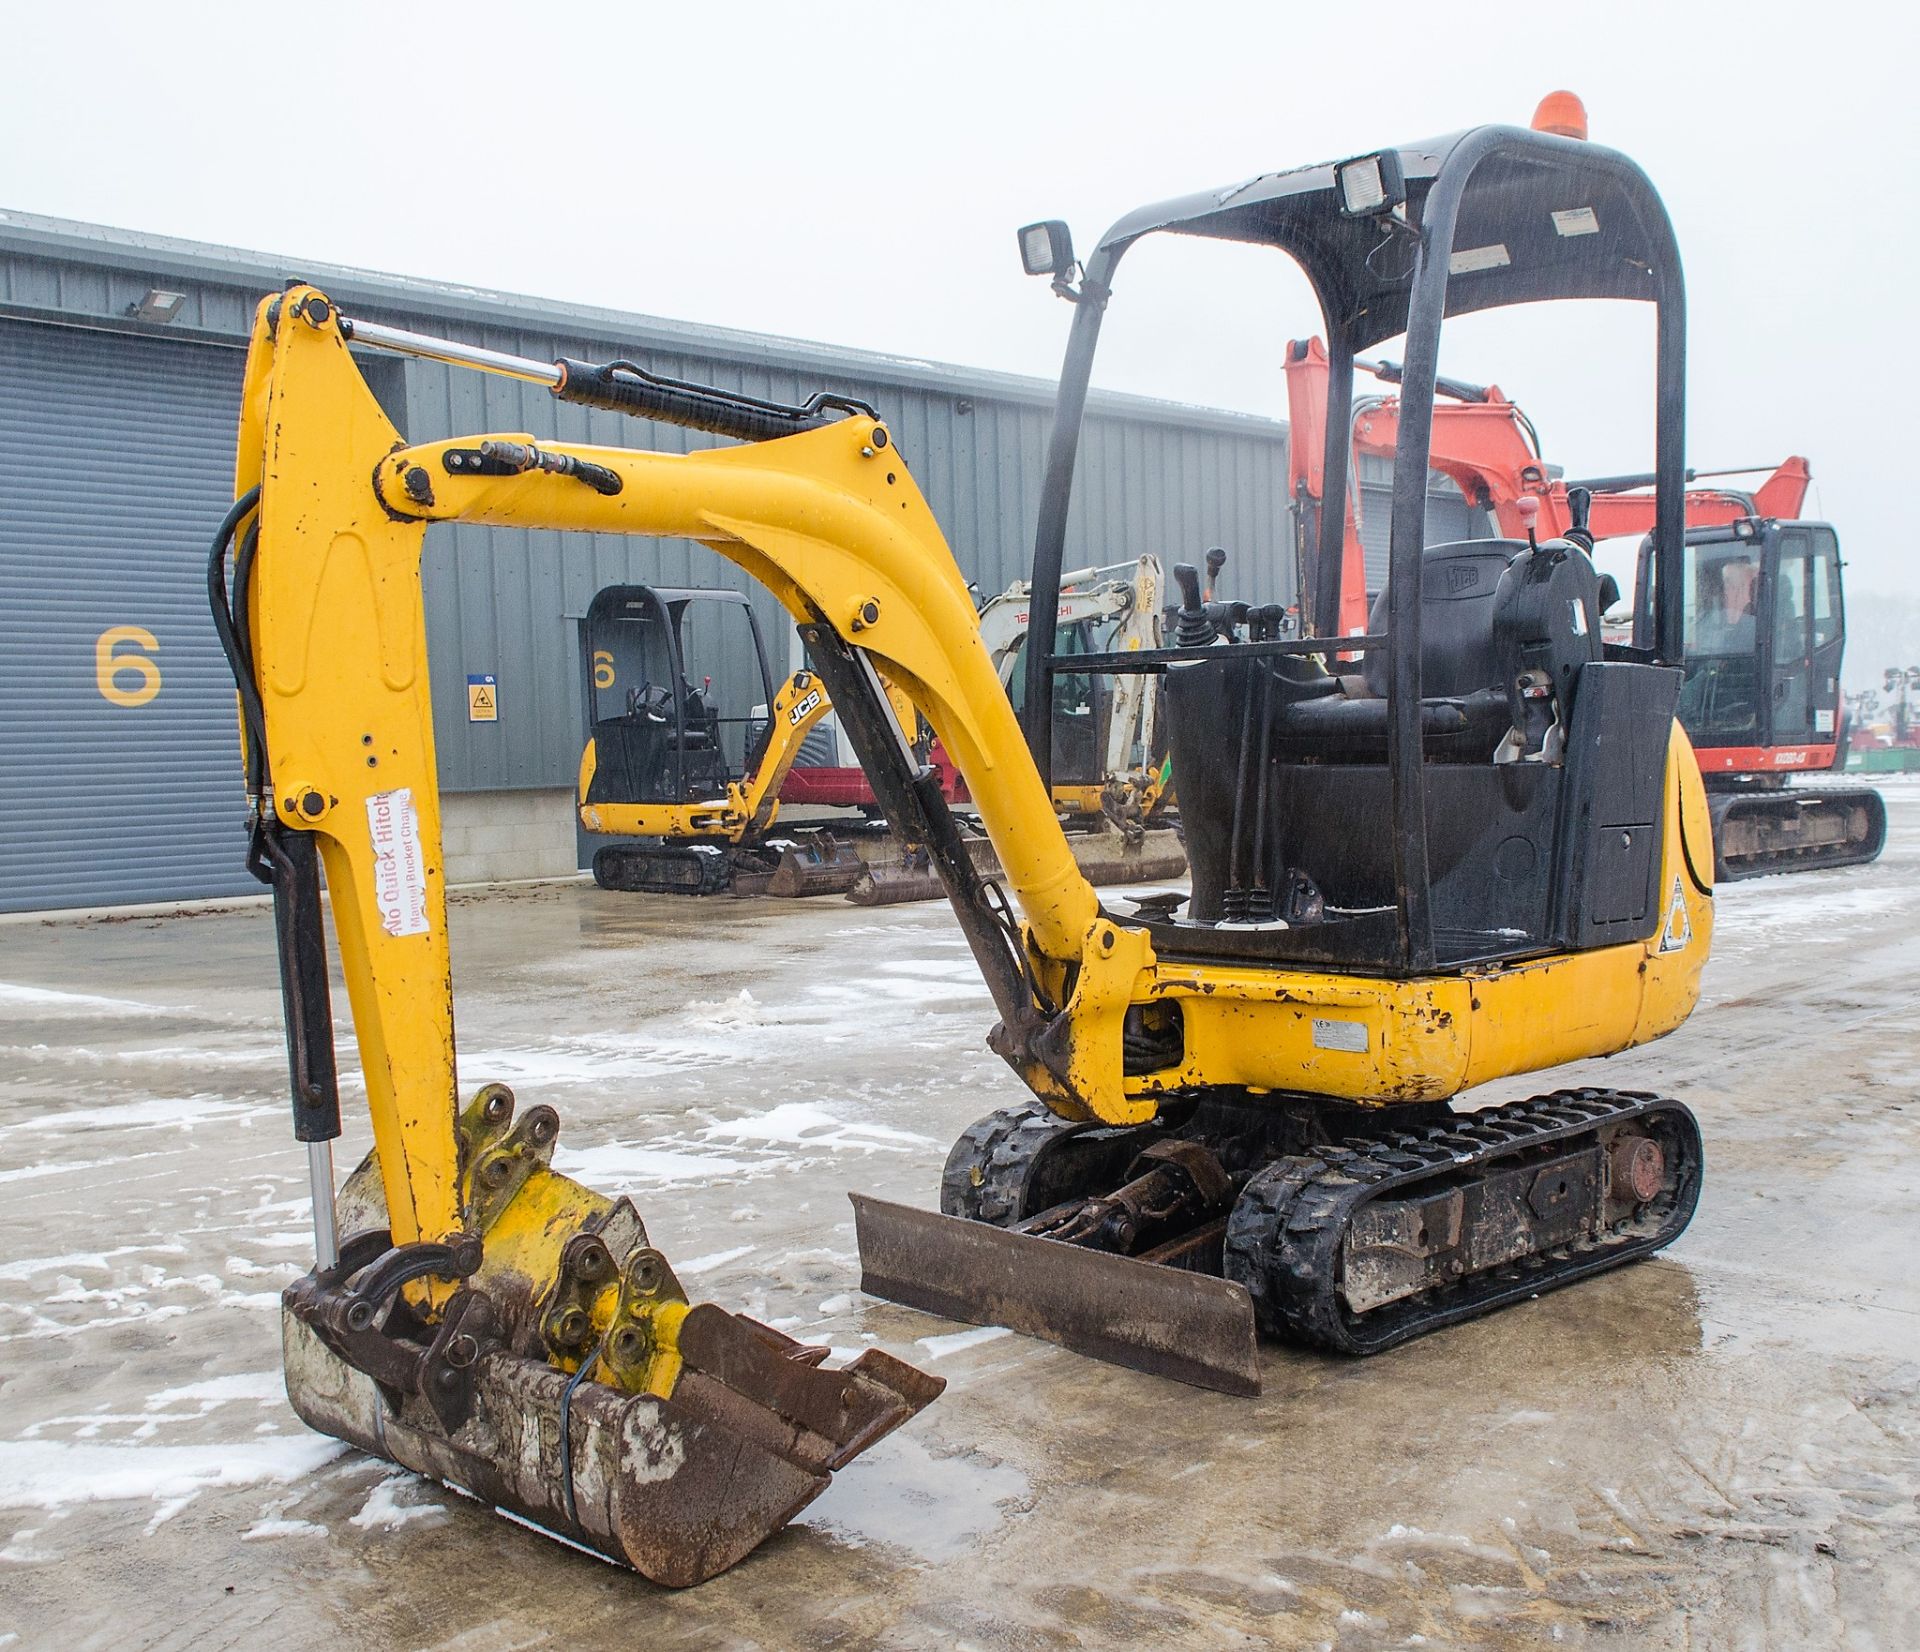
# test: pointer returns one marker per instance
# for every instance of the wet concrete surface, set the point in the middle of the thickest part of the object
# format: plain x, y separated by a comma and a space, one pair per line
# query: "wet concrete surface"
1716, 1448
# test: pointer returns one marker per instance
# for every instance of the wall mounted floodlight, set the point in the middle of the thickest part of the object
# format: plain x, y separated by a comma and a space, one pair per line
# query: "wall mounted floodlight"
158, 305
1371, 186
1046, 249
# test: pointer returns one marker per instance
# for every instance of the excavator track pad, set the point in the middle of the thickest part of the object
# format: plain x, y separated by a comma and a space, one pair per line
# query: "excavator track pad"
1352, 1246
554, 1369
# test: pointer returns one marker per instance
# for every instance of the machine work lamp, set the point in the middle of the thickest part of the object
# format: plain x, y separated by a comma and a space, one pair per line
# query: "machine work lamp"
1371, 186
1046, 249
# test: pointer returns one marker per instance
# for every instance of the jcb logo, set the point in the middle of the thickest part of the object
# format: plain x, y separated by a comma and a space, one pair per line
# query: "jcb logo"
1461, 576
801, 707
112, 669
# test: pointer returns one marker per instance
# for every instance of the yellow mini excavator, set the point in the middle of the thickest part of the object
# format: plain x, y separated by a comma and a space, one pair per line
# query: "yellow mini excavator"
1484, 852
680, 777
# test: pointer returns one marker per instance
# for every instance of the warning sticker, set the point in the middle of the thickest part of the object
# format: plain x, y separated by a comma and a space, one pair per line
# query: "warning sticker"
1576, 221
483, 699
1679, 927
399, 862
1350, 1036
1469, 259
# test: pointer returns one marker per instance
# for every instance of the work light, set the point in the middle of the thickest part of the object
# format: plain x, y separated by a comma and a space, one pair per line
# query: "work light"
1046, 249
1372, 185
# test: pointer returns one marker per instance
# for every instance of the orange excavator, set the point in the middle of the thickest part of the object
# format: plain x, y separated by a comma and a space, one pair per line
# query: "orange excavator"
1764, 620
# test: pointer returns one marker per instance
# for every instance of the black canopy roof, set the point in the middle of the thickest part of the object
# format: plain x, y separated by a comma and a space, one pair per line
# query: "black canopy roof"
1540, 217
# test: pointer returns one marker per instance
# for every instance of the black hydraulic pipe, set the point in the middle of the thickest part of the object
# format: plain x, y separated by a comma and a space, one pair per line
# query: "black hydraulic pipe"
304, 993
1639, 479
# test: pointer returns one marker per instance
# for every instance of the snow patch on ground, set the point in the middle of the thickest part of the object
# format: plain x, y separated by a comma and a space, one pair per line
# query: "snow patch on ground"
731, 1014
716, 1259
263, 1387
384, 1510
801, 1124
56, 1474
954, 1341
281, 1528
614, 1167
161, 1113
48, 998
584, 1059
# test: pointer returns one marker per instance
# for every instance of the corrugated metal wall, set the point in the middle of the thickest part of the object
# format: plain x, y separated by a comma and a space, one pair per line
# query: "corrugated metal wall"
1153, 477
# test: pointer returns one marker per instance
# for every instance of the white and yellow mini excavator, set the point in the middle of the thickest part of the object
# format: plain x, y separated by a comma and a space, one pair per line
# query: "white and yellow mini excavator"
1468, 844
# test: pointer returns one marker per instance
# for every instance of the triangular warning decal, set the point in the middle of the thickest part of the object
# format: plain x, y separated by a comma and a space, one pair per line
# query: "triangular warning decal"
1679, 929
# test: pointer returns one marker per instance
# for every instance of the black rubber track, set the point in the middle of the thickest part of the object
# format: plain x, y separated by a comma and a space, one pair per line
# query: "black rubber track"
1285, 1236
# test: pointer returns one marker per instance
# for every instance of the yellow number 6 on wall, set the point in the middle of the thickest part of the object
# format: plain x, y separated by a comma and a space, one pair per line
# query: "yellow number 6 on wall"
110, 669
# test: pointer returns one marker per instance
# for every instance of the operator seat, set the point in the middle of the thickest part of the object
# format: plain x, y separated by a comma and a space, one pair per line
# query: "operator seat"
1459, 593
1463, 707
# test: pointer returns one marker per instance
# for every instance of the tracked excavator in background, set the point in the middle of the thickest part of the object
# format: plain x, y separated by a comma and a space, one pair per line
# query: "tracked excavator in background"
1111, 773
686, 783
1762, 701
1407, 881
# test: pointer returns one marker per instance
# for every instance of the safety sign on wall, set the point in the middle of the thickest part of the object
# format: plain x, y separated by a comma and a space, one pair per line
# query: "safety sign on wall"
483, 698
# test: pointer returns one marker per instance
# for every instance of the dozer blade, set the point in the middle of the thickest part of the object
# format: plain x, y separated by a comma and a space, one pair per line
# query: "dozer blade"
679, 1489
817, 864
1163, 1320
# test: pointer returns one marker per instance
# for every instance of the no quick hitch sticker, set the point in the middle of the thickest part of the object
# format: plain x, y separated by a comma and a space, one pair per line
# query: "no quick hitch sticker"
1350, 1036
399, 863
1679, 927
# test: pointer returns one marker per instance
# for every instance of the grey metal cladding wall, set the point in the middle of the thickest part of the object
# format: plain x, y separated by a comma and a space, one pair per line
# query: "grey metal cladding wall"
1153, 477
73, 286
116, 461
508, 602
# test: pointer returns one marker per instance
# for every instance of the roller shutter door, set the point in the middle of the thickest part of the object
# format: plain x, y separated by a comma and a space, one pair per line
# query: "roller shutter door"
119, 768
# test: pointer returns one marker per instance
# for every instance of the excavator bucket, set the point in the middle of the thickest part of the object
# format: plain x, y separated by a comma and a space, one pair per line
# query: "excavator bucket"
817, 864
910, 877
678, 1488
1105, 858
566, 1380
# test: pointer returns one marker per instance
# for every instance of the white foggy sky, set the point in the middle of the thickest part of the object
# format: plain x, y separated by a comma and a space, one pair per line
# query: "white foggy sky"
854, 174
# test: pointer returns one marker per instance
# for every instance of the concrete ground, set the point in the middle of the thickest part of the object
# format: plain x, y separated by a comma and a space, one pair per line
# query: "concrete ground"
1716, 1448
